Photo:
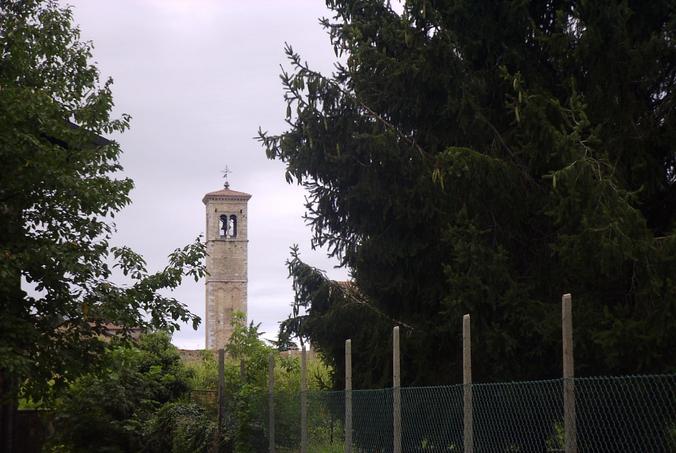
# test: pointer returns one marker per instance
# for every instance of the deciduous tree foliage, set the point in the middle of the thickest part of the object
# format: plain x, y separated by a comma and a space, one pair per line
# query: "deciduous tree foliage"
118, 407
58, 192
485, 157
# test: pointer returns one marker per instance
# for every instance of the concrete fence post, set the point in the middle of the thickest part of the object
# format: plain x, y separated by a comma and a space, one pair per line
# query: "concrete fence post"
468, 410
303, 401
348, 396
271, 403
396, 391
570, 428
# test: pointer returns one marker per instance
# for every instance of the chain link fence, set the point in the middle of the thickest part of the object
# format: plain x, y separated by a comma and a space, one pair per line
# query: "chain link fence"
613, 414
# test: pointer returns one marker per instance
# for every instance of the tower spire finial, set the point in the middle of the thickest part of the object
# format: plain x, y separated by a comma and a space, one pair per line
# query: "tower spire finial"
226, 172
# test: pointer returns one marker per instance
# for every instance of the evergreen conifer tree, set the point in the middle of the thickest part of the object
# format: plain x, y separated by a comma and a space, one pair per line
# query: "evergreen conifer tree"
485, 157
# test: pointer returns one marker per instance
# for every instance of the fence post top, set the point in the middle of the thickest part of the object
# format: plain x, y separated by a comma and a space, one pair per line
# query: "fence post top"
567, 297
466, 316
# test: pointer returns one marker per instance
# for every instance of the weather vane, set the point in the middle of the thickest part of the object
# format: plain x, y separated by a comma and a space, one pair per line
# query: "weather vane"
226, 172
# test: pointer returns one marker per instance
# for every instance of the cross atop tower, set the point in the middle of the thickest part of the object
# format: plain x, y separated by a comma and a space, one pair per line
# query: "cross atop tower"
226, 172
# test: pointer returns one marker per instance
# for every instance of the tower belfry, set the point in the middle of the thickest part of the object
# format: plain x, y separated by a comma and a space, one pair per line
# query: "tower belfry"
226, 241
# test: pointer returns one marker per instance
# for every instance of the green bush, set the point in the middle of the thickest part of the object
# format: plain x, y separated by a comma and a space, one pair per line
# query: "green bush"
146, 399
108, 410
246, 387
180, 427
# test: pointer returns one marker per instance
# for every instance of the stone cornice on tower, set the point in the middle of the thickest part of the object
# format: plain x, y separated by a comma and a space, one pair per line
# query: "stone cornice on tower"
226, 194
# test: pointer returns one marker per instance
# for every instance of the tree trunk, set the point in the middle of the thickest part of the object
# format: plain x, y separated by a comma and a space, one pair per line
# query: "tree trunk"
10, 292
8, 407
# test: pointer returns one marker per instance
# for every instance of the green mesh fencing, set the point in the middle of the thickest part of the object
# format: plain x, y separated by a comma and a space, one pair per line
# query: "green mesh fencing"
439, 410
613, 414
326, 415
518, 416
208, 399
249, 429
632, 413
372, 420
287, 421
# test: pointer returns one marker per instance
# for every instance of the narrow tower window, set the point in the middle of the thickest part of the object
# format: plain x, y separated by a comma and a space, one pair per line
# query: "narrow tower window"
223, 228
232, 226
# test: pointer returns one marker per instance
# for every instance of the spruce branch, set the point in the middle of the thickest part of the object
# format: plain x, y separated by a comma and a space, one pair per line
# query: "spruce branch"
305, 70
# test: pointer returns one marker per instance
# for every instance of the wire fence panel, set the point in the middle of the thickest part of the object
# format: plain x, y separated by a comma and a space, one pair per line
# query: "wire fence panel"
631, 413
613, 414
432, 418
287, 421
518, 416
326, 421
372, 420
250, 423
208, 399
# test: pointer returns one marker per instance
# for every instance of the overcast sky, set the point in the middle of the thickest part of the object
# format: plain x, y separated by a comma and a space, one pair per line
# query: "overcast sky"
198, 78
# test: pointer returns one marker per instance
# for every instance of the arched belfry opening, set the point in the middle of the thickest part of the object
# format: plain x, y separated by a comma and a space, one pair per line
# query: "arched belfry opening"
232, 226
227, 226
223, 226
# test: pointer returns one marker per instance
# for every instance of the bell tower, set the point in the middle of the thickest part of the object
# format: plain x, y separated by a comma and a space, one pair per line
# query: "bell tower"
226, 282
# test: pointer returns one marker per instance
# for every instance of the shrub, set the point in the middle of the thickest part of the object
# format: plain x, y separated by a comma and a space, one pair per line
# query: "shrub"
180, 427
107, 410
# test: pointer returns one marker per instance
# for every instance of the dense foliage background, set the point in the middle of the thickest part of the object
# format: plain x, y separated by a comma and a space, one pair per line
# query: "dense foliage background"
485, 157
119, 406
146, 397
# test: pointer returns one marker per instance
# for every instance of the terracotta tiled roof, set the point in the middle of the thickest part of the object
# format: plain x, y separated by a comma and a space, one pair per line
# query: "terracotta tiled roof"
114, 327
226, 193
111, 330
345, 284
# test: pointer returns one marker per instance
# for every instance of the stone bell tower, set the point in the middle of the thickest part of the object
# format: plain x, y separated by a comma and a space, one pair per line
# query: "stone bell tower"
226, 284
